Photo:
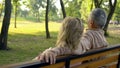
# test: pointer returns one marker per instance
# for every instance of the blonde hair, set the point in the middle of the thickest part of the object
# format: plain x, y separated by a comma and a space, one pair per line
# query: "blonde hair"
70, 33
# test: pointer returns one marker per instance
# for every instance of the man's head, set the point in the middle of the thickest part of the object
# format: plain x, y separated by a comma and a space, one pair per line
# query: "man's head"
97, 18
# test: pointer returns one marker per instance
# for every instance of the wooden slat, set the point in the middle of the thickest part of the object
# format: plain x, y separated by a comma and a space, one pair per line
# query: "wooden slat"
94, 56
57, 65
95, 64
113, 65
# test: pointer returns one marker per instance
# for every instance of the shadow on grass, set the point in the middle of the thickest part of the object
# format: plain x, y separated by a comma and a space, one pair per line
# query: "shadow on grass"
28, 39
24, 47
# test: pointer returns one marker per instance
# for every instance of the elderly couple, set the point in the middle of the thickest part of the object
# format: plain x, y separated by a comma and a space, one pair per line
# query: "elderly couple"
72, 40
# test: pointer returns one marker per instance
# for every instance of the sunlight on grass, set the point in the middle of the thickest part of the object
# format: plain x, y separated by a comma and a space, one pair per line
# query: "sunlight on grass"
30, 27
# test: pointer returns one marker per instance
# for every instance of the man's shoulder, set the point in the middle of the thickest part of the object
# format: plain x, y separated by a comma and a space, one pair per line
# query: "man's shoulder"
93, 33
88, 31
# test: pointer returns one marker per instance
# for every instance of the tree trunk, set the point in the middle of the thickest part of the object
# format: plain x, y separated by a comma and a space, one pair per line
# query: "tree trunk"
5, 25
111, 11
46, 21
15, 25
38, 17
63, 9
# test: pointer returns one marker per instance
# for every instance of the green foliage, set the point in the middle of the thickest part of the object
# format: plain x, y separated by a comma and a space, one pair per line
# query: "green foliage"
73, 8
38, 8
23, 13
1, 8
53, 10
24, 9
16, 3
117, 11
35, 6
85, 9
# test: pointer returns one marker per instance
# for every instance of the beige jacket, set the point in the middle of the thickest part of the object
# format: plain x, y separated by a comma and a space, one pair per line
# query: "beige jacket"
91, 40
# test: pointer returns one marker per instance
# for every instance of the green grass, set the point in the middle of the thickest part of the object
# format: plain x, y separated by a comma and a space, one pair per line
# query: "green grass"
114, 31
29, 39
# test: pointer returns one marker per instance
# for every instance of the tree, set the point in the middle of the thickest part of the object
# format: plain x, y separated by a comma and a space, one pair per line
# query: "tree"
112, 6
46, 20
5, 25
63, 9
15, 3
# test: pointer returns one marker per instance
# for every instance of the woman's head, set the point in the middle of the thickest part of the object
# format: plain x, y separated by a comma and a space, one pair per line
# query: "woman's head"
97, 18
70, 32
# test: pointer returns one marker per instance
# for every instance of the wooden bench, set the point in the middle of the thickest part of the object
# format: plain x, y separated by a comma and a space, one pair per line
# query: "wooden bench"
111, 59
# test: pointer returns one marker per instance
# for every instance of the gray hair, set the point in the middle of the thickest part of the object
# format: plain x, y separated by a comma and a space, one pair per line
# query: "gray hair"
99, 17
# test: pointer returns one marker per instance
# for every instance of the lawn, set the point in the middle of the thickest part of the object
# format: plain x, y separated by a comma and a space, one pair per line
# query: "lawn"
29, 39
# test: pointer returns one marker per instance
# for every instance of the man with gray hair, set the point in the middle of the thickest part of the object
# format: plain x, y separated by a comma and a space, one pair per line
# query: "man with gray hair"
94, 37
99, 17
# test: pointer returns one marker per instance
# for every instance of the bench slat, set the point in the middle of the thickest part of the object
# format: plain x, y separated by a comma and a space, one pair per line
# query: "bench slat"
96, 64
94, 56
113, 65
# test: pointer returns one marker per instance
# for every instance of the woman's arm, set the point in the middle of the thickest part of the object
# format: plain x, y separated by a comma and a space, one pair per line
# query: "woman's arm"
49, 55
61, 50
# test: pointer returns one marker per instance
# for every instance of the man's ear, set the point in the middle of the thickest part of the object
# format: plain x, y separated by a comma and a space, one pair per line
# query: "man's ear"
93, 25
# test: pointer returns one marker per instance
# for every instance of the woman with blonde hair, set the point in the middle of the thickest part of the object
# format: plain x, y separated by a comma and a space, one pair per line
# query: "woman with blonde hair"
70, 33
68, 40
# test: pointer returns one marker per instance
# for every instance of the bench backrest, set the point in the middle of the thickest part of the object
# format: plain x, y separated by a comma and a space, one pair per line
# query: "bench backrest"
111, 59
